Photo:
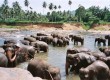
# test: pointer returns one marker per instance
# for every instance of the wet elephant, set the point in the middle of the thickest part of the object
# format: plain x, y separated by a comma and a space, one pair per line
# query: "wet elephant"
78, 39
97, 55
77, 50
40, 46
60, 43
77, 61
96, 71
40, 68
41, 34
25, 42
30, 39
100, 40
108, 38
8, 41
54, 42
31, 50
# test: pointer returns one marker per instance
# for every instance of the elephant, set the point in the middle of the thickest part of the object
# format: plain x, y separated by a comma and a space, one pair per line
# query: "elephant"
40, 46
30, 39
54, 35
25, 42
77, 61
16, 74
25, 52
100, 40
41, 34
40, 68
60, 43
108, 38
65, 41
54, 42
47, 39
77, 50
31, 50
105, 50
3, 60
97, 55
8, 41
96, 71
78, 39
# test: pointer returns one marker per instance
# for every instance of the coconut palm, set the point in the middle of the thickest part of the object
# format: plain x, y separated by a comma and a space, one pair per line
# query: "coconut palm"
59, 7
26, 3
44, 6
55, 7
51, 7
70, 2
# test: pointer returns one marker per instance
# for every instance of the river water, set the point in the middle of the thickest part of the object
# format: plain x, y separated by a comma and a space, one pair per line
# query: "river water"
57, 55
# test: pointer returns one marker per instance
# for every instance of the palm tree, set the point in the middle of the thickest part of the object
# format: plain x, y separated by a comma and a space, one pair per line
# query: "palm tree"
5, 2
44, 6
70, 2
26, 3
59, 7
80, 13
55, 7
51, 7
5, 9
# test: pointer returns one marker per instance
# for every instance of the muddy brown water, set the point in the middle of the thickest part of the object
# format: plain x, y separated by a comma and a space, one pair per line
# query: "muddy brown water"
57, 55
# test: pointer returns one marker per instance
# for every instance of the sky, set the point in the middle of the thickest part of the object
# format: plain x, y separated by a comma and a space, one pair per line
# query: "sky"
37, 4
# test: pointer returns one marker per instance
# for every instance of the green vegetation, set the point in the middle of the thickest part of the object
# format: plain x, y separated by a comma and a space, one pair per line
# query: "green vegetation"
87, 17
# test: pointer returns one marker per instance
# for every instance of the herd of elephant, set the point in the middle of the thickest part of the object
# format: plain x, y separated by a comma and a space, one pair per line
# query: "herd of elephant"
87, 64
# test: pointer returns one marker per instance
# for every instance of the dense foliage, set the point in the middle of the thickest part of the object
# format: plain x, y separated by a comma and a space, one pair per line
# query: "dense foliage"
90, 16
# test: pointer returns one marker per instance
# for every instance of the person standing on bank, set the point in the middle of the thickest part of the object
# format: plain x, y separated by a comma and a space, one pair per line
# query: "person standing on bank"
11, 54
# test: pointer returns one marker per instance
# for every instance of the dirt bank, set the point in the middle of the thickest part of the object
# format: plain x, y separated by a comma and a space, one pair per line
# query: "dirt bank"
53, 26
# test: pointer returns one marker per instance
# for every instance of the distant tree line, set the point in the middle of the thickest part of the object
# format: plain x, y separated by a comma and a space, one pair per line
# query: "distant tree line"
92, 15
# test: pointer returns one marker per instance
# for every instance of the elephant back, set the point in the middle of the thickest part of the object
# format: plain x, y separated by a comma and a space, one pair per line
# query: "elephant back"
31, 39
37, 67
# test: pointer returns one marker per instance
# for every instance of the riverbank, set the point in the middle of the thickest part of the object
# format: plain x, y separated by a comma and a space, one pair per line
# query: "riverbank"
105, 29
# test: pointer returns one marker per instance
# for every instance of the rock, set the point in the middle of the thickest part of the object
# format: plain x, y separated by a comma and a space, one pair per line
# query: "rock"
16, 74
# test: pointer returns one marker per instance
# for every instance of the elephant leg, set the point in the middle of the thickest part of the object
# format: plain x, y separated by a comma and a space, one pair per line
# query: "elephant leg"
67, 66
72, 68
104, 43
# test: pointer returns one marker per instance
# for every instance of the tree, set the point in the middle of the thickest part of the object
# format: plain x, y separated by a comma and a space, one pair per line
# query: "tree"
51, 7
44, 6
59, 7
70, 2
80, 13
5, 2
26, 3
17, 10
55, 7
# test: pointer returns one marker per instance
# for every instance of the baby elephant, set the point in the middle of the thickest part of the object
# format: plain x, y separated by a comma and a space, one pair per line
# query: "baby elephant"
96, 71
